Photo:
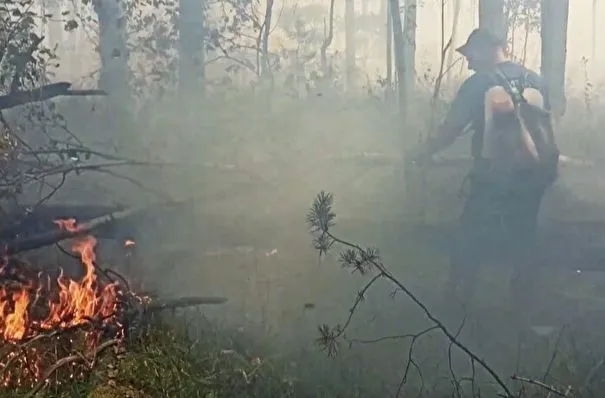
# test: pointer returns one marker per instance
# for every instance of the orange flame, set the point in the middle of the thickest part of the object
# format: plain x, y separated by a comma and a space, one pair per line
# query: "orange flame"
68, 224
41, 305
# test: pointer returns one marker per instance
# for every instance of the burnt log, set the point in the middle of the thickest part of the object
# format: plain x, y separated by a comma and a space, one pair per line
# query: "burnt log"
42, 218
18, 238
43, 93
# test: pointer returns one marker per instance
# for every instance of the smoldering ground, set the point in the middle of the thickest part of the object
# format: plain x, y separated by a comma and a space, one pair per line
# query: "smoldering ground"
250, 178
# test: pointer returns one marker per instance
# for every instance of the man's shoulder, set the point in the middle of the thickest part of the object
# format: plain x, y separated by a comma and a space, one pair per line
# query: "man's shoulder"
516, 70
476, 84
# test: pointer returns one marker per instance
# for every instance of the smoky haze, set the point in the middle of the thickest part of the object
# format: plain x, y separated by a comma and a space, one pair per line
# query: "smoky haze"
250, 157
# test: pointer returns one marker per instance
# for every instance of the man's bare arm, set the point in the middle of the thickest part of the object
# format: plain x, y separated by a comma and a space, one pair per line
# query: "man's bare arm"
459, 117
447, 133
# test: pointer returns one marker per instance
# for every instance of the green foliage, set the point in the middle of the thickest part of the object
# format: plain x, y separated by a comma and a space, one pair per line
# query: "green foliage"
23, 58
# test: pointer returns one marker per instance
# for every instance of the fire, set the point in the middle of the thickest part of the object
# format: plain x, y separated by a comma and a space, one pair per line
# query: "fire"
33, 305
67, 224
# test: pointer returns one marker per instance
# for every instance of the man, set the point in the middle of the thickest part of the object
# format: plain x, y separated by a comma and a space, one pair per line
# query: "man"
495, 216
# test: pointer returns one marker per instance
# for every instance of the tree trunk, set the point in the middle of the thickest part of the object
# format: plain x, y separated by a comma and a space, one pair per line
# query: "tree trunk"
594, 34
55, 31
389, 47
266, 72
328, 37
191, 49
399, 43
554, 50
409, 47
114, 73
74, 40
350, 42
365, 7
491, 17
451, 50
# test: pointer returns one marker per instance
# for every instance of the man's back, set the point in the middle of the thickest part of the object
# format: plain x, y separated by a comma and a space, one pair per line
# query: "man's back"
470, 101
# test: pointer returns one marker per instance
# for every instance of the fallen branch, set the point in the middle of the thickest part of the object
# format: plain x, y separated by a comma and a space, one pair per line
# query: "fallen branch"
57, 235
140, 310
320, 219
43, 93
182, 302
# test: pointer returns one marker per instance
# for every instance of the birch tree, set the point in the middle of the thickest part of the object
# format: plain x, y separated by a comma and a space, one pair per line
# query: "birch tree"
455, 20
399, 43
594, 33
389, 46
492, 17
553, 32
409, 47
114, 73
191, 48
350, 49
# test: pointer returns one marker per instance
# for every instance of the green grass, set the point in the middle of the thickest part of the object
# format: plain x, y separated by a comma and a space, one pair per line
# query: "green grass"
190, 356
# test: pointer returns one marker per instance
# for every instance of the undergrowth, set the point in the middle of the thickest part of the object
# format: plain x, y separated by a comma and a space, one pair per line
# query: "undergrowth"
187, 355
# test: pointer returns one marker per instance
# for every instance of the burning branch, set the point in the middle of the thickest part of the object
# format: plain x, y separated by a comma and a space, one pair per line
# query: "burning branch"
73, 230
58, 327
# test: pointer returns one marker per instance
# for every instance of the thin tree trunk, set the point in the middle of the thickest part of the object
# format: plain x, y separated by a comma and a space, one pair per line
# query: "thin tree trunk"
266, 68
73, 37
55, 31
409, 48
594, 34
389, 46
365, 7
191, 49
525, 41
350, 42
491, 17
328, 36
114, 74
554, 16
450, 55
399, 43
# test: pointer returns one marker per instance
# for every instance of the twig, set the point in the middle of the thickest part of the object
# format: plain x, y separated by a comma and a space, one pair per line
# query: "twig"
383, 272
540, 384
67, 360
554, 354
591, 374
410, 360
455, 380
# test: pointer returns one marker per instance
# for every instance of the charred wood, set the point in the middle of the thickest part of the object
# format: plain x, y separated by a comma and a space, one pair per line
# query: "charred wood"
43, 93
55, 235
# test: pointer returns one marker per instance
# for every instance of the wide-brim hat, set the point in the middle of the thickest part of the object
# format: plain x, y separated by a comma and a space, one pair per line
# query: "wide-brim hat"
480, 39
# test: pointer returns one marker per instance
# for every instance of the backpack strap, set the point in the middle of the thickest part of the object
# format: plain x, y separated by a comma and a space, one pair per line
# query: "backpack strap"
516, 94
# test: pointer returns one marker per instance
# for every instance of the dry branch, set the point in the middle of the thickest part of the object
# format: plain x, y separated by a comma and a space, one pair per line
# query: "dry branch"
70, 359
320, 219
542, 385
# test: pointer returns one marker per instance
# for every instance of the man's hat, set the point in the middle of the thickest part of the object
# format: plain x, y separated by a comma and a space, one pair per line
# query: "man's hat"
481, 39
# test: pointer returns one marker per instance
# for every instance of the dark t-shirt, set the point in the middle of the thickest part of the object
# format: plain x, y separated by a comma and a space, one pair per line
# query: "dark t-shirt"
468, 106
